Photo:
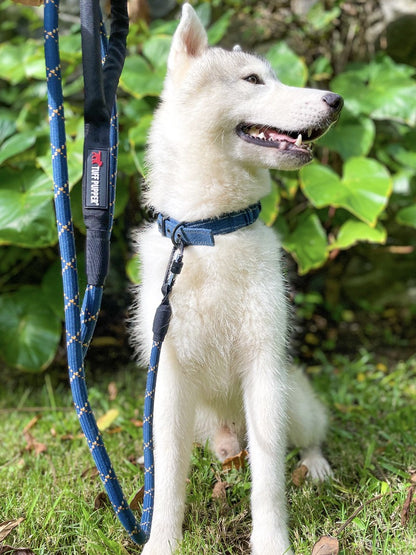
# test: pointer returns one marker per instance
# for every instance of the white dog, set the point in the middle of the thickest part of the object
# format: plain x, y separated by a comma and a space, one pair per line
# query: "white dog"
224, 120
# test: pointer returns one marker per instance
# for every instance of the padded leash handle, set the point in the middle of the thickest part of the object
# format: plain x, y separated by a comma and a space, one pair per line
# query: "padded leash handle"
102, 72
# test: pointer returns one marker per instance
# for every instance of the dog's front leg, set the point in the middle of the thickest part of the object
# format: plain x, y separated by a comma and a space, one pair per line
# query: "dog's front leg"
265, 407
173, 435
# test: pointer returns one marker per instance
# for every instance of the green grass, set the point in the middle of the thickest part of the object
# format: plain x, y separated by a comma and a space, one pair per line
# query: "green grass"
371, 446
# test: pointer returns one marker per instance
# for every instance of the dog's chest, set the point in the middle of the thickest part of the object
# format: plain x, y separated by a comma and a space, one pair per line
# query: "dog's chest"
227, 297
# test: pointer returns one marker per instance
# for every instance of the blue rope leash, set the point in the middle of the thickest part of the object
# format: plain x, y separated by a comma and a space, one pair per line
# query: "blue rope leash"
80, 324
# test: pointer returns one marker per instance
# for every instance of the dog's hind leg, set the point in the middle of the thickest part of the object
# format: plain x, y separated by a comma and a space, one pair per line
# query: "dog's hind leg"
174, 415
307, 425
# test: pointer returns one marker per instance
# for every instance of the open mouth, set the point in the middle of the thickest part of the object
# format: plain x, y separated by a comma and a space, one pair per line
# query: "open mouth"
297, 141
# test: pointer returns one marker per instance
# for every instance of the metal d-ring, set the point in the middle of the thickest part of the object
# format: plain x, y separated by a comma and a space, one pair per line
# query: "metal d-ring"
177, 242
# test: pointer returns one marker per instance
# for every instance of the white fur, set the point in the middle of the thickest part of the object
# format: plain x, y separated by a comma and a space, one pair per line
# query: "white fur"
223, 372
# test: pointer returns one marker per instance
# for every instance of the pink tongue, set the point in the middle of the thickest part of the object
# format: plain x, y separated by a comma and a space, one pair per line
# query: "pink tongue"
275, 136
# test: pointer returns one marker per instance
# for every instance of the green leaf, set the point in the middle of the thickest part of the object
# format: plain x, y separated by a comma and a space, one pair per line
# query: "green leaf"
22, 61
156, 50
270, 206
139, 79
307, 243
138, 134
29, 330
27, 218
218, 30
133, 269
404, 157
352, 136
7, 124
381, 89
290, 69
353, 232
15, 145
74, 158
320, 17
204, 13
407, 216
364, 189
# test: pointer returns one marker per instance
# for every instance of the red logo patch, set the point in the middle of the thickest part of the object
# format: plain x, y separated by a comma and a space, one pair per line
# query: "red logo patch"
96, 158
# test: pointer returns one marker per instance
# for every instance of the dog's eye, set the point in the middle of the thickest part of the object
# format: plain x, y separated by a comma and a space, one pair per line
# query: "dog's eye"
254, 79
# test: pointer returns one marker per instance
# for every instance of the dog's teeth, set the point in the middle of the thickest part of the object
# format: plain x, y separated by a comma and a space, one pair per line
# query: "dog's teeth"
261, 136
309, 133
283, 145
298, 141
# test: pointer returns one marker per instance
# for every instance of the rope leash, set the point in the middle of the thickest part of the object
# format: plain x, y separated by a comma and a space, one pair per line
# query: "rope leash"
100, 157
80, 323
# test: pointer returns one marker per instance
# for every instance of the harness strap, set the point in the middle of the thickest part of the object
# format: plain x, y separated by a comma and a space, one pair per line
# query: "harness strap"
201, 232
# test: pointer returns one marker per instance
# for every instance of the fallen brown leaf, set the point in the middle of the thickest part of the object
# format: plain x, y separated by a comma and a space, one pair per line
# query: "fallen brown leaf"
238, 461
9, 550
219, 491
137, 500
90, 473
115, 430
326, 545
101, 500
137, 423
8, 525
32, 423
405, 515
29, 3
299, 475
33, 445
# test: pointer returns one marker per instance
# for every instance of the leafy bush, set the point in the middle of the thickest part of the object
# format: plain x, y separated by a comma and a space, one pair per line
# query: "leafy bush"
363, 184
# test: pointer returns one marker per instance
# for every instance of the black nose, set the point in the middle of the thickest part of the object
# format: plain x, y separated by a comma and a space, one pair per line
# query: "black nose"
334, 101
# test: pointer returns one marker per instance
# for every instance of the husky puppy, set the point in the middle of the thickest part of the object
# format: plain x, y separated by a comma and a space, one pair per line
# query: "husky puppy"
224, 120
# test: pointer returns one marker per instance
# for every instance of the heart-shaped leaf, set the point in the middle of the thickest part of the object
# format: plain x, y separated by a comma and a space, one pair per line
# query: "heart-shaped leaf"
289, 68
139, 79
364, 189
29, 329
16, 144
353, 232
307, 243
352, 136
156, 50
407, 216
382, 89
26, 210
218, 29
270, 206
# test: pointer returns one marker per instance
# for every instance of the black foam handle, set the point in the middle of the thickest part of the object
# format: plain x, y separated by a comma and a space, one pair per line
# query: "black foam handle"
161, 321
97, 257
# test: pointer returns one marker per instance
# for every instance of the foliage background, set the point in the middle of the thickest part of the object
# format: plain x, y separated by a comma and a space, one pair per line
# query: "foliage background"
347, 221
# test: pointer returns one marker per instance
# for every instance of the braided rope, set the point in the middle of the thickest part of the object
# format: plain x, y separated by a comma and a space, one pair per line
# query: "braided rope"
80, 324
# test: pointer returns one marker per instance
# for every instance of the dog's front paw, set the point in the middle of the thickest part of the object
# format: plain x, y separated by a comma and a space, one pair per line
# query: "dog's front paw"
160, 547
269, 541
317, 465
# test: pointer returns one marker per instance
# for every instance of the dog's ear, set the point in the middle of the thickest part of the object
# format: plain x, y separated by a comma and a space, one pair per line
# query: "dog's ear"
190, 38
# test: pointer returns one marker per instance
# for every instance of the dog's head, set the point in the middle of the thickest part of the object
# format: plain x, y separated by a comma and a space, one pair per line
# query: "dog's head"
235, 101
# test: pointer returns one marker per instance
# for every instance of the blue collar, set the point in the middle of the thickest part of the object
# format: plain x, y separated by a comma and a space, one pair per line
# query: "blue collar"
201, 232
